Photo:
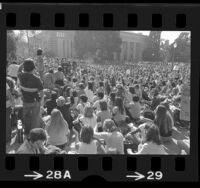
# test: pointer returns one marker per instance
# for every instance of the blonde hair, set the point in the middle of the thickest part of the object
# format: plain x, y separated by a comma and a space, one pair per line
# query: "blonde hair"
88, 112
60, 101
57, 121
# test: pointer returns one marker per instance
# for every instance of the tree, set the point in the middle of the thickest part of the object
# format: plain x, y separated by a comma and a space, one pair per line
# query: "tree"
182, 51
99, 44
11, 44
152, 51
165, 51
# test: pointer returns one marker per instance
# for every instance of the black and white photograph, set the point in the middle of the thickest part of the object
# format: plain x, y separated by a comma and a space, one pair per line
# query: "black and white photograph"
98, 92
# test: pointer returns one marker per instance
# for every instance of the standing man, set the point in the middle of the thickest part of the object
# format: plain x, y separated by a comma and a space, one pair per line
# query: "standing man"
40, 63
32, 94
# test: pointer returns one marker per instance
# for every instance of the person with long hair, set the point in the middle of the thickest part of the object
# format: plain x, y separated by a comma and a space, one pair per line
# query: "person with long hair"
164, 122
89, 118
112, 137
151, 143
57, 129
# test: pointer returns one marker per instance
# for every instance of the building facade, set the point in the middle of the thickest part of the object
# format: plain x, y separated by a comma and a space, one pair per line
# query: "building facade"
61, 44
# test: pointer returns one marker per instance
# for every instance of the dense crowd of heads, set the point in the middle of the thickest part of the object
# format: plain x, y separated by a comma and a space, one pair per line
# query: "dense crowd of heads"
96, 109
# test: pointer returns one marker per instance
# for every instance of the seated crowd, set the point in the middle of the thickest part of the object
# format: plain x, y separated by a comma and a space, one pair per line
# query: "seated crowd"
97, 110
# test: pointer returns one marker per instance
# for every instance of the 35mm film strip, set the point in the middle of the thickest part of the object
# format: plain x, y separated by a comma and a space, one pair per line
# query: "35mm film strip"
101, 17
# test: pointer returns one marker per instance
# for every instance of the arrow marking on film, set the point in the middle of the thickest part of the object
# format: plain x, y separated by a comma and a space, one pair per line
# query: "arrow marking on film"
35, 176
138, 176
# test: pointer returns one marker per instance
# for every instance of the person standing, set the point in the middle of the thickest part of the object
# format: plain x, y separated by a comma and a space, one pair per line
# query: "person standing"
40, 63
32, 94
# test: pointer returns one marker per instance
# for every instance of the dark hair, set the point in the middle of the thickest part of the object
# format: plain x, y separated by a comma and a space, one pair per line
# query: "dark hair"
132, 90
37, 134
51, 71
162, 119
135, 98
81, 85
152, 134
103, 105
90, 85
59, 68
112, 96
74, 93
84, 98
29, 65
54, 95
119, 104
72, 100
137, 86
173, 84
101, 84
100, 95
149, 114
86, 134
39, 51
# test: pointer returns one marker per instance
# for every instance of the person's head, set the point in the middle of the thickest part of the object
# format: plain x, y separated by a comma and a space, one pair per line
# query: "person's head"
83, 98
87, 134
160, 111
100, 95
152, 134
149, 114
137, 86
60, 101
74, 80
90, 85
119, 104
88, 112
74, 93
51, 71
39, 51
135, 98
14, 62
131, 90
101, 84
29, 65
54, 95
81, 86
103, 105
57, 120
112, 96
109, 125
37, 137
59, 68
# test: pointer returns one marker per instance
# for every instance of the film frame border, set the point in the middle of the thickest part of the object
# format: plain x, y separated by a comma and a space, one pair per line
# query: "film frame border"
118, 16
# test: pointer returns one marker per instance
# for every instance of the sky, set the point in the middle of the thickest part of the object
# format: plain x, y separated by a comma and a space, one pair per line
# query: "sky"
168, 35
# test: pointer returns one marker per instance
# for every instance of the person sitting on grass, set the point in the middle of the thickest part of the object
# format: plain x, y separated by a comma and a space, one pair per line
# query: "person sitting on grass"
112, 137
57, 129
151, 143
35, 142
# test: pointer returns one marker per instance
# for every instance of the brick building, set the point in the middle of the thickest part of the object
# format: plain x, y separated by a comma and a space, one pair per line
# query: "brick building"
61, 44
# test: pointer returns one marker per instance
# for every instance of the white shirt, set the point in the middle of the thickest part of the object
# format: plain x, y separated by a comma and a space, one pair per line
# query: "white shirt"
89, 122
13, 70
88, 148
151, 148
89, 94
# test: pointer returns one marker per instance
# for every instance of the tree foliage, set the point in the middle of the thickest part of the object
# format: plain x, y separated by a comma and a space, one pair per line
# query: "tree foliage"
98, 44
11, 44
182, 51
152, 51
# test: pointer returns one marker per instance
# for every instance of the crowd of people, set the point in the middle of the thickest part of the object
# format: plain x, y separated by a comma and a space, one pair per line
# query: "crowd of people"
68, 107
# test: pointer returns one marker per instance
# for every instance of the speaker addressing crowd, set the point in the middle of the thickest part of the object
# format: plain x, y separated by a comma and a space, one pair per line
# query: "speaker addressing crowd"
69, 107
